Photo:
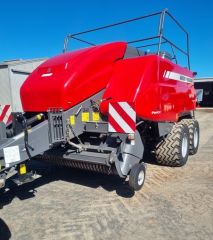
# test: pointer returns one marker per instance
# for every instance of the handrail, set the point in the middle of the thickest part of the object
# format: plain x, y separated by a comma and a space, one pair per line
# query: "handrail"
160, 36
69, 36
117, 23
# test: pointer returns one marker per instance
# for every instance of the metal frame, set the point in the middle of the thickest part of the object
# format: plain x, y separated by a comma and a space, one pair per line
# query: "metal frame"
41, 139
161, 38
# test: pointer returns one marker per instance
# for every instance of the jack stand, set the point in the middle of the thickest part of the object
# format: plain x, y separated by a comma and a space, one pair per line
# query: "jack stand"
23, 175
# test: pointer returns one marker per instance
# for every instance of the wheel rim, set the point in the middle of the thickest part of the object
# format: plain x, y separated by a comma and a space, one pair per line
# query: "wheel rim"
195, 138
141, 178
184, 146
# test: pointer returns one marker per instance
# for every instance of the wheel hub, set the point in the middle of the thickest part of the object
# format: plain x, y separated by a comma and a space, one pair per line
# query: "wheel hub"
184, 146
195, 138
141, 177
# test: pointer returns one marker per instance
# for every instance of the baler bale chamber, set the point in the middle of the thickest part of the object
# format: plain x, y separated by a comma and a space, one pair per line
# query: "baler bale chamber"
99, 108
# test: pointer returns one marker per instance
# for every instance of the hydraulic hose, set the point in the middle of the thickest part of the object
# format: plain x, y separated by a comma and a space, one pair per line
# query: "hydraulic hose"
27, 146
26, 123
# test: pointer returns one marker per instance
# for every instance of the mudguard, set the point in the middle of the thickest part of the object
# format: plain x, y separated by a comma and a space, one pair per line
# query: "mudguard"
128, 155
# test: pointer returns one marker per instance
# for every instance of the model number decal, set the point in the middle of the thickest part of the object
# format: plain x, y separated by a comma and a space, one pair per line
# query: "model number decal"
156, 112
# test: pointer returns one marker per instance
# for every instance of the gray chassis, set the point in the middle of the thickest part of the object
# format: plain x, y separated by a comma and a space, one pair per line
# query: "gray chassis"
48, 136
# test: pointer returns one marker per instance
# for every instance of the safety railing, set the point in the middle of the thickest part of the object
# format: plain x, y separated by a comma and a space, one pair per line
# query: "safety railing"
160, 37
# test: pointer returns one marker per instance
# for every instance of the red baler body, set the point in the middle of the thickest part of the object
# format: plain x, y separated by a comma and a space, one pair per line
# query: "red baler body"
68, 79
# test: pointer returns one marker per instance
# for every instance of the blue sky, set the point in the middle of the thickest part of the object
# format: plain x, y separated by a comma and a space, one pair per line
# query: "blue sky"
36, 28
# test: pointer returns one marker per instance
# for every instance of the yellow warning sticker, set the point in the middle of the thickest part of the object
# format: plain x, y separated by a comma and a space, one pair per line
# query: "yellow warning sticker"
85, 117
72, 120
95, 116
22, 169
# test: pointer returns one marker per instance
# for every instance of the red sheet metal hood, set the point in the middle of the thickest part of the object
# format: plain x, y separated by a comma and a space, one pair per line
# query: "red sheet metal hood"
68, 79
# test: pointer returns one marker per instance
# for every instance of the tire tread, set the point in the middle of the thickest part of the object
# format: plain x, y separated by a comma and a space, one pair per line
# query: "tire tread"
168, 150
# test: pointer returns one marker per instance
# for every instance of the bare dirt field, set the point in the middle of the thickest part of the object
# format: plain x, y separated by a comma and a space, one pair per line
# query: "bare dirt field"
66, 204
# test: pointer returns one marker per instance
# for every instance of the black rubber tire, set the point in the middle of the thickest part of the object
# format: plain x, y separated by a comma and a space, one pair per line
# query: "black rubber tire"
1, 191
134, 175
168, 151
194, 128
